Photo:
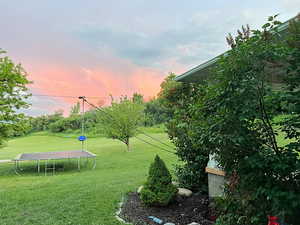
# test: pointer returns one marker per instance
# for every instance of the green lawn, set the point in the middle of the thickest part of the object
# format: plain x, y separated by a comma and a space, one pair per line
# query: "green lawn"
89, 197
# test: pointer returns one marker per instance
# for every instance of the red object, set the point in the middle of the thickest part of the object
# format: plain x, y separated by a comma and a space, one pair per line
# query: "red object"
213, 218
273, 220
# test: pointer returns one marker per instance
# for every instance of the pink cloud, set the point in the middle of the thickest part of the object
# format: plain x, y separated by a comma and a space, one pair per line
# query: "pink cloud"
101, 81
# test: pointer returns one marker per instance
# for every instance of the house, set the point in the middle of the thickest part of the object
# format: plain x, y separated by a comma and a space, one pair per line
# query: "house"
216, 176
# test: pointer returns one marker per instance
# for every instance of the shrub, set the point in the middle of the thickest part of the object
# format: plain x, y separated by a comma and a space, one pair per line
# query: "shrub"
69, 123
237, 124
184, 131
158, 190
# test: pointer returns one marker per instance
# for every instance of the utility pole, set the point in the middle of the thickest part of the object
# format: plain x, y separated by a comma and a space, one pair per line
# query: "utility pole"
82, 122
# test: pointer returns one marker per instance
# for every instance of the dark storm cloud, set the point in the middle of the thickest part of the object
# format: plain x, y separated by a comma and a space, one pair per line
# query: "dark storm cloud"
198, 38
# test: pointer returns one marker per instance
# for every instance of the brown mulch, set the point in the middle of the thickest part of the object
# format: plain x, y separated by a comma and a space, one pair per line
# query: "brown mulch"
181, 212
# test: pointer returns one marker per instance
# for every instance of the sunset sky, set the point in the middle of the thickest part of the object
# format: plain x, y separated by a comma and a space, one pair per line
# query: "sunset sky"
97, 47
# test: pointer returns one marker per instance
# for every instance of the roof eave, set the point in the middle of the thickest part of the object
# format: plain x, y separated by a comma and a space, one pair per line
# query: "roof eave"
197, 73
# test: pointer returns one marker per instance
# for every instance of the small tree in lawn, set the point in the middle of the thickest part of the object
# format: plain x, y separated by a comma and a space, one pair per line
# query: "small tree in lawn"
158, 190
13, 89
121, 120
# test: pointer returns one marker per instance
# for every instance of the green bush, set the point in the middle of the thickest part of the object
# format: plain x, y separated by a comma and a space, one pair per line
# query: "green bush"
237, 115
64, 124
184, 131
158, 190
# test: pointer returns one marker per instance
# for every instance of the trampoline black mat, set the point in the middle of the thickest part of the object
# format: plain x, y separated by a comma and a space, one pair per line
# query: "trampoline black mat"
55, 155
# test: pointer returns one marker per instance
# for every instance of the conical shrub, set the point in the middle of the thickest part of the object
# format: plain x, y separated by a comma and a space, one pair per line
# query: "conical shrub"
158, 190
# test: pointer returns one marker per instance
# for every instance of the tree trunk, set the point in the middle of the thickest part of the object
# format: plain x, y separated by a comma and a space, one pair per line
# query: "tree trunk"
127, 143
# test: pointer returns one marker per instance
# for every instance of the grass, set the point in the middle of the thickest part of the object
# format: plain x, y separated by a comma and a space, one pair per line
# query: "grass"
89, 197
95, 132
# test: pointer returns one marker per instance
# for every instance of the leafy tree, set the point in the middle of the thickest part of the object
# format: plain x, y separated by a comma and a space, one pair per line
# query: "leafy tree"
70, 123
138, 98
121, 120
180, 98
43, 122
13, 95
75, 109
156, 112
21, 129
168, 90
236, 124
158, 190
231, 115
57, 123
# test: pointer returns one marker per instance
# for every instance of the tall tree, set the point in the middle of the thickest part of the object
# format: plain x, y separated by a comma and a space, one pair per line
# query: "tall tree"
13, 94
138, 98
156, 112
179, 98
75, 109
121, 120
235, 123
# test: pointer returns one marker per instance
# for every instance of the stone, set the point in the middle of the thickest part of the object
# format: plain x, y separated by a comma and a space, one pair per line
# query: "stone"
193, 223
175, 183
169, 224
140, 189
184, 192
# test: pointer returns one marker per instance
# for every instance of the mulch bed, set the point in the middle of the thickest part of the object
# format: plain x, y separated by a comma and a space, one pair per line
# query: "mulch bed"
182, 212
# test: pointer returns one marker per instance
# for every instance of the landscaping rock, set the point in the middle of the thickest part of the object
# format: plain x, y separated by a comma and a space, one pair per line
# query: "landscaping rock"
184, 192
169, 224
175, 183
119, 212
140, 189
193, 223
192, 209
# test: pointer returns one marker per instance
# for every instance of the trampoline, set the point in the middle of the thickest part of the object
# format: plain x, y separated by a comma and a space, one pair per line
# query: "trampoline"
58, 155
52, 156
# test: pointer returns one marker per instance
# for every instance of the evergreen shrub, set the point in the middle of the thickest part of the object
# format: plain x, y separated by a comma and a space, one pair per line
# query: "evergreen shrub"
158, 189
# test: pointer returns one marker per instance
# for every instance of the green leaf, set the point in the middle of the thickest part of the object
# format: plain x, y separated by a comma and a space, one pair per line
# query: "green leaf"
266, 25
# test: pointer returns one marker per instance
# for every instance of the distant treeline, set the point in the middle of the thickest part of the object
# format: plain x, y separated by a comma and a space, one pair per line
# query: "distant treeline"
154, 113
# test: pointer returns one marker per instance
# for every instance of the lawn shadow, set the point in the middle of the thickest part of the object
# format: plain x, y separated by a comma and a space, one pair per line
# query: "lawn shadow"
53, 167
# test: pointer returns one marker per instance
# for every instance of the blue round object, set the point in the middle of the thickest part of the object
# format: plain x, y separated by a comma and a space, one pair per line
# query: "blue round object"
82, 138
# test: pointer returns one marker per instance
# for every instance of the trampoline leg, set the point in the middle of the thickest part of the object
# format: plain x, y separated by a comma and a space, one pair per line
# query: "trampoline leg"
46, 162
53, 167
94, 166
86, 161
16, 167
78, 161
69, 162
39, 167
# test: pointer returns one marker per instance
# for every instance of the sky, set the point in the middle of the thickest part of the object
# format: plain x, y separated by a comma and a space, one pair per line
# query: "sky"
119, 47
